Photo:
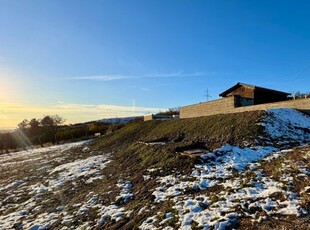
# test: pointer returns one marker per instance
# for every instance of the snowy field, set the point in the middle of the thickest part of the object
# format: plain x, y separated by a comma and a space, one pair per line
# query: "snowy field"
47, 170
64, 187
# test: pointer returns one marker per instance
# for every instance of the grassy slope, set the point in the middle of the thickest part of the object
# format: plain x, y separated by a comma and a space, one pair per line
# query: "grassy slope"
131, 158
299, 154
236, 129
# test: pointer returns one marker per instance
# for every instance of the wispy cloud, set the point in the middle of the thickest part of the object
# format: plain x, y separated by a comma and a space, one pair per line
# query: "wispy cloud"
11, 114
177, 74
145, 89
102, 78
143, 76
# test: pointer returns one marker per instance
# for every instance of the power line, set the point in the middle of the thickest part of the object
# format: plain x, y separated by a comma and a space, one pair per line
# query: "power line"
207, 95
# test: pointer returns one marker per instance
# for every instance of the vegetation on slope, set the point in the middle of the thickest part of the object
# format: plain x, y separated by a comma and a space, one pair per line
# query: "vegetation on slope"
204, 132
235, 129
132, 156
92, 189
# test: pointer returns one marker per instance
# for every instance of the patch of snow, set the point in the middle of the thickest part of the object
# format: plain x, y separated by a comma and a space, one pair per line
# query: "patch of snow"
147, 177
289, 124
92, 179
12, 185
217, 171
170, 187
53, 148
85, 207
110, 212
306, 189
11, 219
37, 189
149, 223
142, 210
168, 216
125, 193
42, 221
80, 168
303, 168
153, 169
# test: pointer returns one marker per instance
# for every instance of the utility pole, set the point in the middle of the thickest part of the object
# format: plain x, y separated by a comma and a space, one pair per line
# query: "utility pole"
207, 95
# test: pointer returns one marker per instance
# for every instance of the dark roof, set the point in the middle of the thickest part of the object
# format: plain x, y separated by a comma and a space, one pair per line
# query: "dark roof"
253, 86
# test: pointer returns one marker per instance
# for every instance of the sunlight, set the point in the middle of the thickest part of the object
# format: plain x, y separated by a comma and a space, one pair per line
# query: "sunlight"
4, 93
12, 113
22, 139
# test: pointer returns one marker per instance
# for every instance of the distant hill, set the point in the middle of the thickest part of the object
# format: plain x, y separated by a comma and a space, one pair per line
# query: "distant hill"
6, 130
120, 120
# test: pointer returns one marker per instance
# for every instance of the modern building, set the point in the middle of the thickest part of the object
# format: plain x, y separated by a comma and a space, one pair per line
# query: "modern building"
254, 95
244, 97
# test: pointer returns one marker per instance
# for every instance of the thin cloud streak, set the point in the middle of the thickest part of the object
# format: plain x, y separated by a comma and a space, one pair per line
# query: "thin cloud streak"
179, 74
101, 78
151, 75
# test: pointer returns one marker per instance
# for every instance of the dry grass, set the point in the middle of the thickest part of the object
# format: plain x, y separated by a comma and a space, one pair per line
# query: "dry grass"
236, 129
276, 222
131, 159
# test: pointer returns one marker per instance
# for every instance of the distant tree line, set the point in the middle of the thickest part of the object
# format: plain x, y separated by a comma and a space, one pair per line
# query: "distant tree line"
299, 95
170, 112
50, 129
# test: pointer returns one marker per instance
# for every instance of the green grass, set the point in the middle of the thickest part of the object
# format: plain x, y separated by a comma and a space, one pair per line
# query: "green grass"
213, 130
132, 157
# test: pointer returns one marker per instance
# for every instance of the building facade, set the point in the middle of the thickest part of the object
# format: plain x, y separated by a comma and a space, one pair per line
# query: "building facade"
243, 97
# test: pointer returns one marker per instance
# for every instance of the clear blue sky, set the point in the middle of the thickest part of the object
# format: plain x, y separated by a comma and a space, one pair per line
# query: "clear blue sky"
147, 54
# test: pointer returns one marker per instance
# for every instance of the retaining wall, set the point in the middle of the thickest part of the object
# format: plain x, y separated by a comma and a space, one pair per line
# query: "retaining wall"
227, 105
300, 104
224, 105
148, 117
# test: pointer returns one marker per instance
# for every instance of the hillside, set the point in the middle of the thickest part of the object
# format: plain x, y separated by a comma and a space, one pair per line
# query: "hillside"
120, 120
248, 171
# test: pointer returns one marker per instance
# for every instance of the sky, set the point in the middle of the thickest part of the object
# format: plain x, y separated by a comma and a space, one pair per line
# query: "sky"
88, 60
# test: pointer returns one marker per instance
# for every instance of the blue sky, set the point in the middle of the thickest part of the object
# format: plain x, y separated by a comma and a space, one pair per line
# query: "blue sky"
59, 56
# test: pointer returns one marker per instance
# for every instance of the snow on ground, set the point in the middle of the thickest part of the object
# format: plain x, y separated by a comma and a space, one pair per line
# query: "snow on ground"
125, 193
217, 166
149, 223
113, 211
24, 199
35, 154
227, 184
217, 170
222, 210
80, 168
27, 213
287, 124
